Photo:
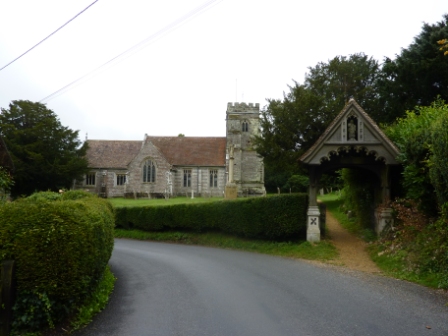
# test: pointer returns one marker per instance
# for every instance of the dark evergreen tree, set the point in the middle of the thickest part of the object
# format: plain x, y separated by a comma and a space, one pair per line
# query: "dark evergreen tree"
46, 155
292, 125
343, 78
417, 76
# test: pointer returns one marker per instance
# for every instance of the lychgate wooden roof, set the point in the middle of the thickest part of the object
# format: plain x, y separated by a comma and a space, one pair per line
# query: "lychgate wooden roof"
334, 141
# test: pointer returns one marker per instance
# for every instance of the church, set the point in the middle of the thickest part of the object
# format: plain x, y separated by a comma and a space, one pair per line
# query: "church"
164, 166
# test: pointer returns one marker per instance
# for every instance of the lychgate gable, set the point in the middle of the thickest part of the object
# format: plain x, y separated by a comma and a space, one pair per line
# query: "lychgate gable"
352, 140
352, 129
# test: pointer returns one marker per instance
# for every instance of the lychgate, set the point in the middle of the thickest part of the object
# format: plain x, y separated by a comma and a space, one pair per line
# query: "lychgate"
353, 140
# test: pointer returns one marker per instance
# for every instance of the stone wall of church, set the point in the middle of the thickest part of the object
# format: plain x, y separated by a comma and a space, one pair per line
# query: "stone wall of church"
199, 181
135, 182
106, 183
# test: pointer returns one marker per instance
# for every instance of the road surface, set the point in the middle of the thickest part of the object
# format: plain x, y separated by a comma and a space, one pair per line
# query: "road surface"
168, 289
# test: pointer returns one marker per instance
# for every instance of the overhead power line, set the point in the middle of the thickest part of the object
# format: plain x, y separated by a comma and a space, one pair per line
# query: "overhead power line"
139, 46
26, 52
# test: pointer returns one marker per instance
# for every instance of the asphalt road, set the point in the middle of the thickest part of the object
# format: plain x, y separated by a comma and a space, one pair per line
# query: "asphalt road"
166, 289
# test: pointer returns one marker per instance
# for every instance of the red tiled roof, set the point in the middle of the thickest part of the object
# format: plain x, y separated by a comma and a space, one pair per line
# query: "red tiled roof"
112, 153
178, 151
192, 151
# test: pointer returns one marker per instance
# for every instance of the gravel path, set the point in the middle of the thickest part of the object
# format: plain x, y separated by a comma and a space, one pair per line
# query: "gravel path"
352, 250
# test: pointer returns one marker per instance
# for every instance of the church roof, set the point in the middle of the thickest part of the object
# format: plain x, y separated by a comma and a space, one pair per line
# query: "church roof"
191, 151
112, 153
178, 151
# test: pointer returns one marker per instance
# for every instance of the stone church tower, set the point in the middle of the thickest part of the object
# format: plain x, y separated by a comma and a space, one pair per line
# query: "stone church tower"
242, 124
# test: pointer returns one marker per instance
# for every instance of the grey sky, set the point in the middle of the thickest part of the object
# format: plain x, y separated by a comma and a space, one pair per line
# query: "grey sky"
181, 82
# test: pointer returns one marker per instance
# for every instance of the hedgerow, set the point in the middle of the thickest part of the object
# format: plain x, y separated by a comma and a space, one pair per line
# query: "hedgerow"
276, 218
61, 248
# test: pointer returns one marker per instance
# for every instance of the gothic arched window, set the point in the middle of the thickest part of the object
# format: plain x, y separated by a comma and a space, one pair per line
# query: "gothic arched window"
245, 127
149, 171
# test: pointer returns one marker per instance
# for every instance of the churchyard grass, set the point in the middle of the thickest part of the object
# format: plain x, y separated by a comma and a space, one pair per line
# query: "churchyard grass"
129, 202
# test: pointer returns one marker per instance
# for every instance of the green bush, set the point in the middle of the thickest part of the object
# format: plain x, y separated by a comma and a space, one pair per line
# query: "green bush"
438, 161
76, 195
42, 196
61, 248
277, 217
422, 140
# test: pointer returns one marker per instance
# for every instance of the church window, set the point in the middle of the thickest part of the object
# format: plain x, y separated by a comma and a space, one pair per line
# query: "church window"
149, 171
90, 179
121, 179
213, 178
187, 177
245, 126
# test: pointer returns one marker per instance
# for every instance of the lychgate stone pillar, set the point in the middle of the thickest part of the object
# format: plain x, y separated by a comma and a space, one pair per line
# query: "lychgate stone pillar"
313, 226
383, 213
313, 223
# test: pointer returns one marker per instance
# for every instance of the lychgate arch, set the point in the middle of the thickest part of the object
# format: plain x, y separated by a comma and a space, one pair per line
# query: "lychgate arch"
353, 140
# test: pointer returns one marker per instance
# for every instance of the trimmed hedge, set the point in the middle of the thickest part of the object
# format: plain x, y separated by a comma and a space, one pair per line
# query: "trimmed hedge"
61, 246
276, 218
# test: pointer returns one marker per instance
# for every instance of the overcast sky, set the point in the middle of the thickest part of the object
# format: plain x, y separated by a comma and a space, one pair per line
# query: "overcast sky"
181, 80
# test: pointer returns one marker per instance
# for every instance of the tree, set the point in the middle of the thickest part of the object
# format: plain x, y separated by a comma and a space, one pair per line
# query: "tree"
444, 45
417, 76
46, 155
343, 78
292, 125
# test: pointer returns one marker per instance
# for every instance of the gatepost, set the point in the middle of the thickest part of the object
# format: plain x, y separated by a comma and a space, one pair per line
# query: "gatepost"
313, 229
6, 297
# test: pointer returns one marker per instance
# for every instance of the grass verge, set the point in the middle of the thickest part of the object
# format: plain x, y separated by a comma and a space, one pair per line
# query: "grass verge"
395, 265
96, 302
322, 251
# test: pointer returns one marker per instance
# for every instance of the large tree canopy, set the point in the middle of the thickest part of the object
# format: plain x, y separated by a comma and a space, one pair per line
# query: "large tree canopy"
292, 125
46, 155
417, 76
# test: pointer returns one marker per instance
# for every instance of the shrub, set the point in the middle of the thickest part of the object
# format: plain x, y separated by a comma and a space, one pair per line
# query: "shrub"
43, 196
420, 242
76, 195
61, 249
421, 138
277, 217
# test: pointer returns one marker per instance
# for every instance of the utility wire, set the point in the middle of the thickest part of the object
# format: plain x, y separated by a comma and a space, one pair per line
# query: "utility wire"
26, 52
139, 46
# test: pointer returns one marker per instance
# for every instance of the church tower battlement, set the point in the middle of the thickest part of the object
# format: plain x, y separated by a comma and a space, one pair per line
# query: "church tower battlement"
242, 125
243, 107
